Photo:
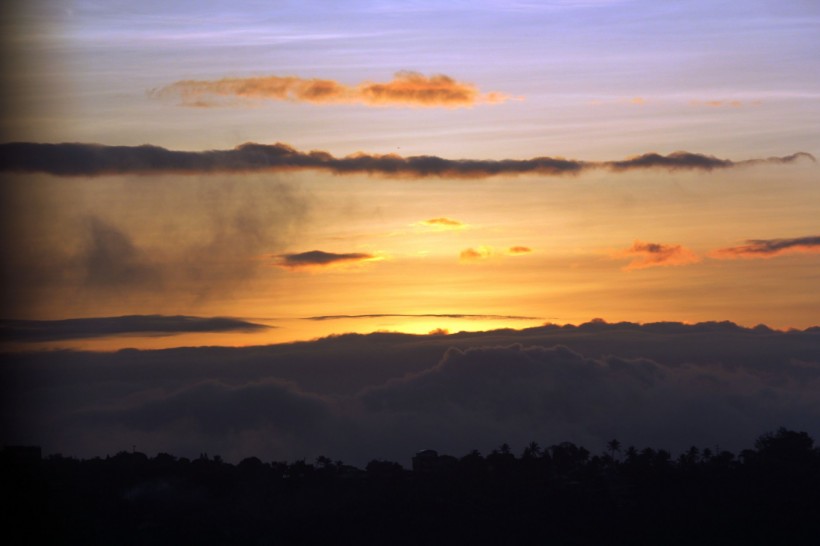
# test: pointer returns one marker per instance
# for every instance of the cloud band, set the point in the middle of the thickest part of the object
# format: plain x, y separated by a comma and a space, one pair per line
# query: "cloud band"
77, 159
82, 328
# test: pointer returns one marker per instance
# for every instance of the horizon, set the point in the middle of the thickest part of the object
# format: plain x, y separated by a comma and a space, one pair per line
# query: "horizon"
158, 332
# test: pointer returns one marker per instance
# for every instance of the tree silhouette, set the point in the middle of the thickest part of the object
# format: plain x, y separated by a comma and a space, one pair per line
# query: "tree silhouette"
532, 451
614, 446
785, 447
562, 495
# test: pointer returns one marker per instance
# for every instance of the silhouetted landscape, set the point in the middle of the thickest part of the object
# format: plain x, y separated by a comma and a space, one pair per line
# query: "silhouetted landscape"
560, 494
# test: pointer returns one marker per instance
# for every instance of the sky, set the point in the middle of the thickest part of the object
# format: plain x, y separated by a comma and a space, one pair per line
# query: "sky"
238, 174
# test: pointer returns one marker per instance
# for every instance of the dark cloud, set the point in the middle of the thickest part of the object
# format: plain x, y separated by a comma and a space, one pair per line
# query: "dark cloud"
518, 392
178, 242
406, 89
645, 255
358, 397
767, 248
112, 260
95, 160
321, 258
437, 315
51, 330
785, 159
218, 408
443, 222
690, 161
673, 161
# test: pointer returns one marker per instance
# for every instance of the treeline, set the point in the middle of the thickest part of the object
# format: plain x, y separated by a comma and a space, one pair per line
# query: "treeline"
561, 494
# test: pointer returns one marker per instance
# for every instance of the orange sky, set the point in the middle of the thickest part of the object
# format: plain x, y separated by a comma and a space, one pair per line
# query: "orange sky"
540, 173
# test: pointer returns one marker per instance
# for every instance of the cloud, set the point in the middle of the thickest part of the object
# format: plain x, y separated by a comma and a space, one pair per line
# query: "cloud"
655, 255
673, 161
484, 252
143, 252
725, 103
479, 253
423, 315
405, 89
217, 408
517, 392
515, 250
51, 330
112, 260
386, 395
769, 248
443, 223
690, 161
263, 416
73, 159
780, 160
321, 258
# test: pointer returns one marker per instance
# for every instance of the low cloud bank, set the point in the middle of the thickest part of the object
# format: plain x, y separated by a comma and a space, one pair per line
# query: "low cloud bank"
357, 397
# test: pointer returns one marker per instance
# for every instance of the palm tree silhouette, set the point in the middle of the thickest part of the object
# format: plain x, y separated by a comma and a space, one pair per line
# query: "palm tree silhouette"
614, 446
531, 451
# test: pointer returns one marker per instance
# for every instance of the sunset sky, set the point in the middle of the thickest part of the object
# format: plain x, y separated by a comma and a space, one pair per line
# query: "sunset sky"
590, 81
246, 172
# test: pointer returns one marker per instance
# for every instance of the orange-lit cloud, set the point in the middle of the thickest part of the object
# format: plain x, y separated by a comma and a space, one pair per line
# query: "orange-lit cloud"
319, 258
478, 253
646, 255
769, 248
514, 250
637, 101
405, 89
72, 159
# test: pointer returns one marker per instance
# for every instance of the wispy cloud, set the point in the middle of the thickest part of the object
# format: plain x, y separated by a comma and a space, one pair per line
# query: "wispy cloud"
73, 159
443, 223
422, 315
321, 258
725, 103
81, 328
646, 255
405, 89
111, 260
769, 248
